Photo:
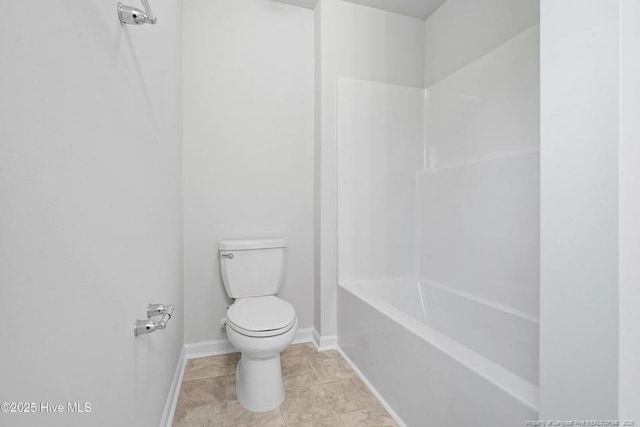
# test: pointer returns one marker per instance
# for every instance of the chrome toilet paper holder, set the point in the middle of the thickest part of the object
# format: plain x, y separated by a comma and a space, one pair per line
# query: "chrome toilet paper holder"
148, 325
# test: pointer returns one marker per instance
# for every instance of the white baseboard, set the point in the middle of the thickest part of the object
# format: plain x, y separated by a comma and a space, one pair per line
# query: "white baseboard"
223, 346
198, 349
325, 342
303, 335
373, 390
174, 392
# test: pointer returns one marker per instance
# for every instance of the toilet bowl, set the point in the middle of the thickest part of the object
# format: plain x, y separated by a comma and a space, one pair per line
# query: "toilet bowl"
260, 328
259, 324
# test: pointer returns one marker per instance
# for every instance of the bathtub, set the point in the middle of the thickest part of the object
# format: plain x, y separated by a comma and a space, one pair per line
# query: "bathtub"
439, 357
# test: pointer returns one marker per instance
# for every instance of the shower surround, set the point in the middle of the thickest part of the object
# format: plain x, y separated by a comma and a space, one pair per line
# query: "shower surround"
438, 231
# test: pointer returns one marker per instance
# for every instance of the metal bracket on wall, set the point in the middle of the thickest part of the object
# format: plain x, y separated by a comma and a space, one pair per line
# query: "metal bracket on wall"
147, 326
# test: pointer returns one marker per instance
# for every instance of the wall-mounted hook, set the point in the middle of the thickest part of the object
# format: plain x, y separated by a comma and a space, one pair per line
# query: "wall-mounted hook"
134, 16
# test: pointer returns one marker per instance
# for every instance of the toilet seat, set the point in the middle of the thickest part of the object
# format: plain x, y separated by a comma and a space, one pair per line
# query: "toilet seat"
264, 316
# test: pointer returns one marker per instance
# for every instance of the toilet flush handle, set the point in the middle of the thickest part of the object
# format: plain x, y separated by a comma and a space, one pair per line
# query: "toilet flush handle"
230, 256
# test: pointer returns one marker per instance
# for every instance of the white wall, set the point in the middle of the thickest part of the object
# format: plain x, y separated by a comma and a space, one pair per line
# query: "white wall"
478, 219
479, 195
461, 31
317, 166
90, 209
482, 129
363, 43
248, 153
489, 108
380, 148
629, 369
479, 230
579, 209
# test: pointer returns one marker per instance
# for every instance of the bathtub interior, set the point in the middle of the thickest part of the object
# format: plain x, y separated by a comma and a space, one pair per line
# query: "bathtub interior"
435, 381
502, 335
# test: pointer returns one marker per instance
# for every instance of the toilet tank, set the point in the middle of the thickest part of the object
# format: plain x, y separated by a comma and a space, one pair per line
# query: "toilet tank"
252, 268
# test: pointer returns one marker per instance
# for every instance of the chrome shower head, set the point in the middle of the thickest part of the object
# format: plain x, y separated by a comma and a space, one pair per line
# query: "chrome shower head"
134, 16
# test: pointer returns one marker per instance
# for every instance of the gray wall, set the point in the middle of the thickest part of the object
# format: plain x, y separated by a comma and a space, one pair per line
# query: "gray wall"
90, 209
629, 210
248, 154
579, 209
363, 43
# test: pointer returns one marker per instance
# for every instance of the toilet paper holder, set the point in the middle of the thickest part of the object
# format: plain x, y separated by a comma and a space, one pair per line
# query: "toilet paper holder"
146, 326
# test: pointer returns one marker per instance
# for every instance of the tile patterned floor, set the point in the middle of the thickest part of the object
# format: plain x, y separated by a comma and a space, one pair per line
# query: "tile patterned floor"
321, 391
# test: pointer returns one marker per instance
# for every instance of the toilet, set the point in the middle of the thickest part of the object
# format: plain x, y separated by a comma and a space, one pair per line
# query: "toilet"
259, 324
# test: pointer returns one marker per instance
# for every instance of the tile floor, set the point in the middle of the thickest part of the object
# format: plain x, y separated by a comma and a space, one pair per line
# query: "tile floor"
321, 391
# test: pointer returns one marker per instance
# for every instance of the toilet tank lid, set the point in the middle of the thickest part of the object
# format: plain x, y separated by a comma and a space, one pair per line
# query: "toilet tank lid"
243, 245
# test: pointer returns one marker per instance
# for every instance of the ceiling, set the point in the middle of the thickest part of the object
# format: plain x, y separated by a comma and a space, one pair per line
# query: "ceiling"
307, 4
416, 8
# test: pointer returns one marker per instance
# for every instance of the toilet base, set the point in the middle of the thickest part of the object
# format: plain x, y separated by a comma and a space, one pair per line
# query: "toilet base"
259, 384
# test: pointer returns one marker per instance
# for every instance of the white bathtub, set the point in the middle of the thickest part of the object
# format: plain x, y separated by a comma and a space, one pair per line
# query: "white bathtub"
439, 357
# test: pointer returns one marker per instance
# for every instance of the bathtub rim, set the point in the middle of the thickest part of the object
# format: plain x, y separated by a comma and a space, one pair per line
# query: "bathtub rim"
510, 383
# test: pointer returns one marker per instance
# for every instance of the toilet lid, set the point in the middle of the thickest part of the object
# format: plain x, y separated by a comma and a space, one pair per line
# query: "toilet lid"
261, 314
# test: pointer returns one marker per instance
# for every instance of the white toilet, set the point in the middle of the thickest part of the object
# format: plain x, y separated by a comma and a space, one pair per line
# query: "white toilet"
259, 324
